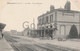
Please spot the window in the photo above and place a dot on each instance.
(47, 19)
(39, 21)
(51, 18)
(43, 20)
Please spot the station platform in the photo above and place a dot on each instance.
(4, 45)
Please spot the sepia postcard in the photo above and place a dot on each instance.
(39, 25)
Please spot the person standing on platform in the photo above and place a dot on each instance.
(2, 35)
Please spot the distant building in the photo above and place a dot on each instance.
(20, 33)
(58, 22)
(6, 32)
(13, 32)
(26, 32)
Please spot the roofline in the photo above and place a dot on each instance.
(56, 10)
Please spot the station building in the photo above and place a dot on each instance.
(58, 22)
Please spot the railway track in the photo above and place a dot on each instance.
(34, 47)
(24, 47)
(29, 47)
(57, 48)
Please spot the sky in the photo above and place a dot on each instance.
(15, 12)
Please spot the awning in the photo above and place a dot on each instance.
(2, 26)
(47, 29)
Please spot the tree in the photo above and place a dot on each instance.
(73, 32)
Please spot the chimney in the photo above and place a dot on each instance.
(67, 6)
(51, 8)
